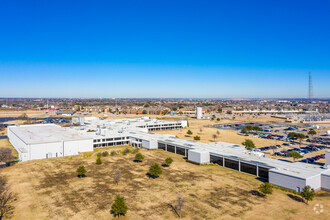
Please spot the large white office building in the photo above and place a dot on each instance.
(45, 141)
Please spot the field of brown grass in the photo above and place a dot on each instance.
(50, 189)
(230, 136)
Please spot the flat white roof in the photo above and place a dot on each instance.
(45, 133)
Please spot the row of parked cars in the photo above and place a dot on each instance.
(313, 159)
(302, 150)
(319, 140)
(56, 120)
(268, 148)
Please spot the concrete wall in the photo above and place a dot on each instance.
(314, 182)
(76, 147)
(45, 150)
(18, 144)
(286, 181)
(327, 157)
(325, 181)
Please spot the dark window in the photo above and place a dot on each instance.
(117, 139)
(215, 159)
(231, 164)
(180, 151)
(94, 141)
(249, 168)
(161, 146)
(263, 172)
(170, 148)
(103, 140)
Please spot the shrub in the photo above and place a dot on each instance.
(155, 170)
(266, 188)
(139, 157)
(81, 171)
(70, 158)
(98, 161)
(197, 138)
(189, 132)
(119, 206)
(126, 151)
(136, 150)
(168, 161)
(113, 153)
(105, 154)
(99, 154)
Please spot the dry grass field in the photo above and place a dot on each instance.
(230, 136)
(50, 189)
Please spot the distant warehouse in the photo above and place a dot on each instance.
(65, 112)
(46, 141)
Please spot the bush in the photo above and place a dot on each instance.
(98, 161)
(139, 157)
(197, 138)
(81, 171)
(113, 153)
(189, 132)
(266, 188)
(119, 206)
(126, 151)
(105, 154)
(99, 154)
(155, 170)
(136, 150)
(168, 161)
(70, 158)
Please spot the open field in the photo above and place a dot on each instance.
(230, 136)
(50, 189)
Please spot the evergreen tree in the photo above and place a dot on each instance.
(119, 206)
(308, 193)
(155, 170)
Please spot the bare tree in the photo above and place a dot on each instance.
(6, 204)
(179, 205)
(5, 155)
(201, 130)
(117, 176)
(7, 199)
(3, 183)
(218, 132)
(214, 136)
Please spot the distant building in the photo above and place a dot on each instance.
(65, 112)
(199, 112)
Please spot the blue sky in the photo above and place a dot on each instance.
(220, 49)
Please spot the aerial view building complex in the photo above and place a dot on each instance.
(46, 141)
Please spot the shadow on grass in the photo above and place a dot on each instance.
(137, 161)
(81, 176)
(151, 176)
(165, 165)
(296, 198)
(257, 193)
